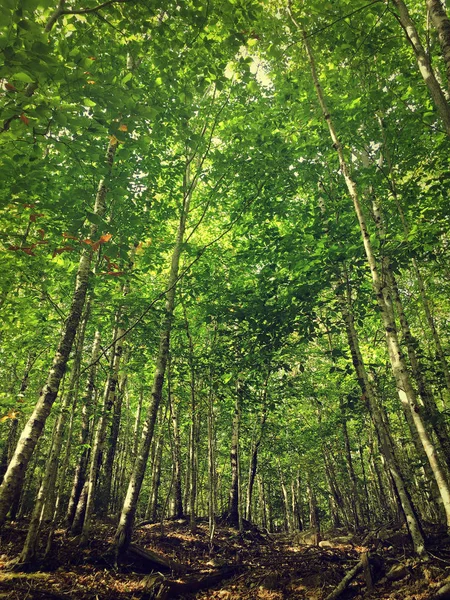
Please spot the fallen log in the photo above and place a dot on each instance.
(158, 587)
(155, 560)
(370, 565)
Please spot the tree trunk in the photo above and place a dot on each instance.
(86, 411)
(314, 522)
(423, 63)
(44, 505)
(125, 527)
(254, 454)
(176, 453)
(14, 476)
(98, 444)
(106, 482)
(405, 390)
(211, 467)
(233, 500)
(380, 426)
(420, 280)
(441, 22)
(262, 502)
(152, 508)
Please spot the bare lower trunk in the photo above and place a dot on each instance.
(253, 465)
(176, 452)
(44, 505)
(98, 444)
(152, 507)
(314, 521)
(11, 440)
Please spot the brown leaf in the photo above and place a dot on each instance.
(61, 250)
(25, 119)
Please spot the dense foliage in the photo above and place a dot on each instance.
(229, 231)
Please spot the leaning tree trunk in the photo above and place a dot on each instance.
(384, 437)
(433, 417)
(424, 63)
(420, 281)
(44, 504)
(405, 389)
(14, 476)
(441, 22)
(125, 527)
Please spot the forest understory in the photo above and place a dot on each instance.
(224, 299)
(251, 564)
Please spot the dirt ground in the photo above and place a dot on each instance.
(261, 566)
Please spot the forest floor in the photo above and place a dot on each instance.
(251, 565)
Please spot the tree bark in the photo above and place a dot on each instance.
(441, 22)
(423, 63)
(176, 452)
(254, 454)
(98, 444)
